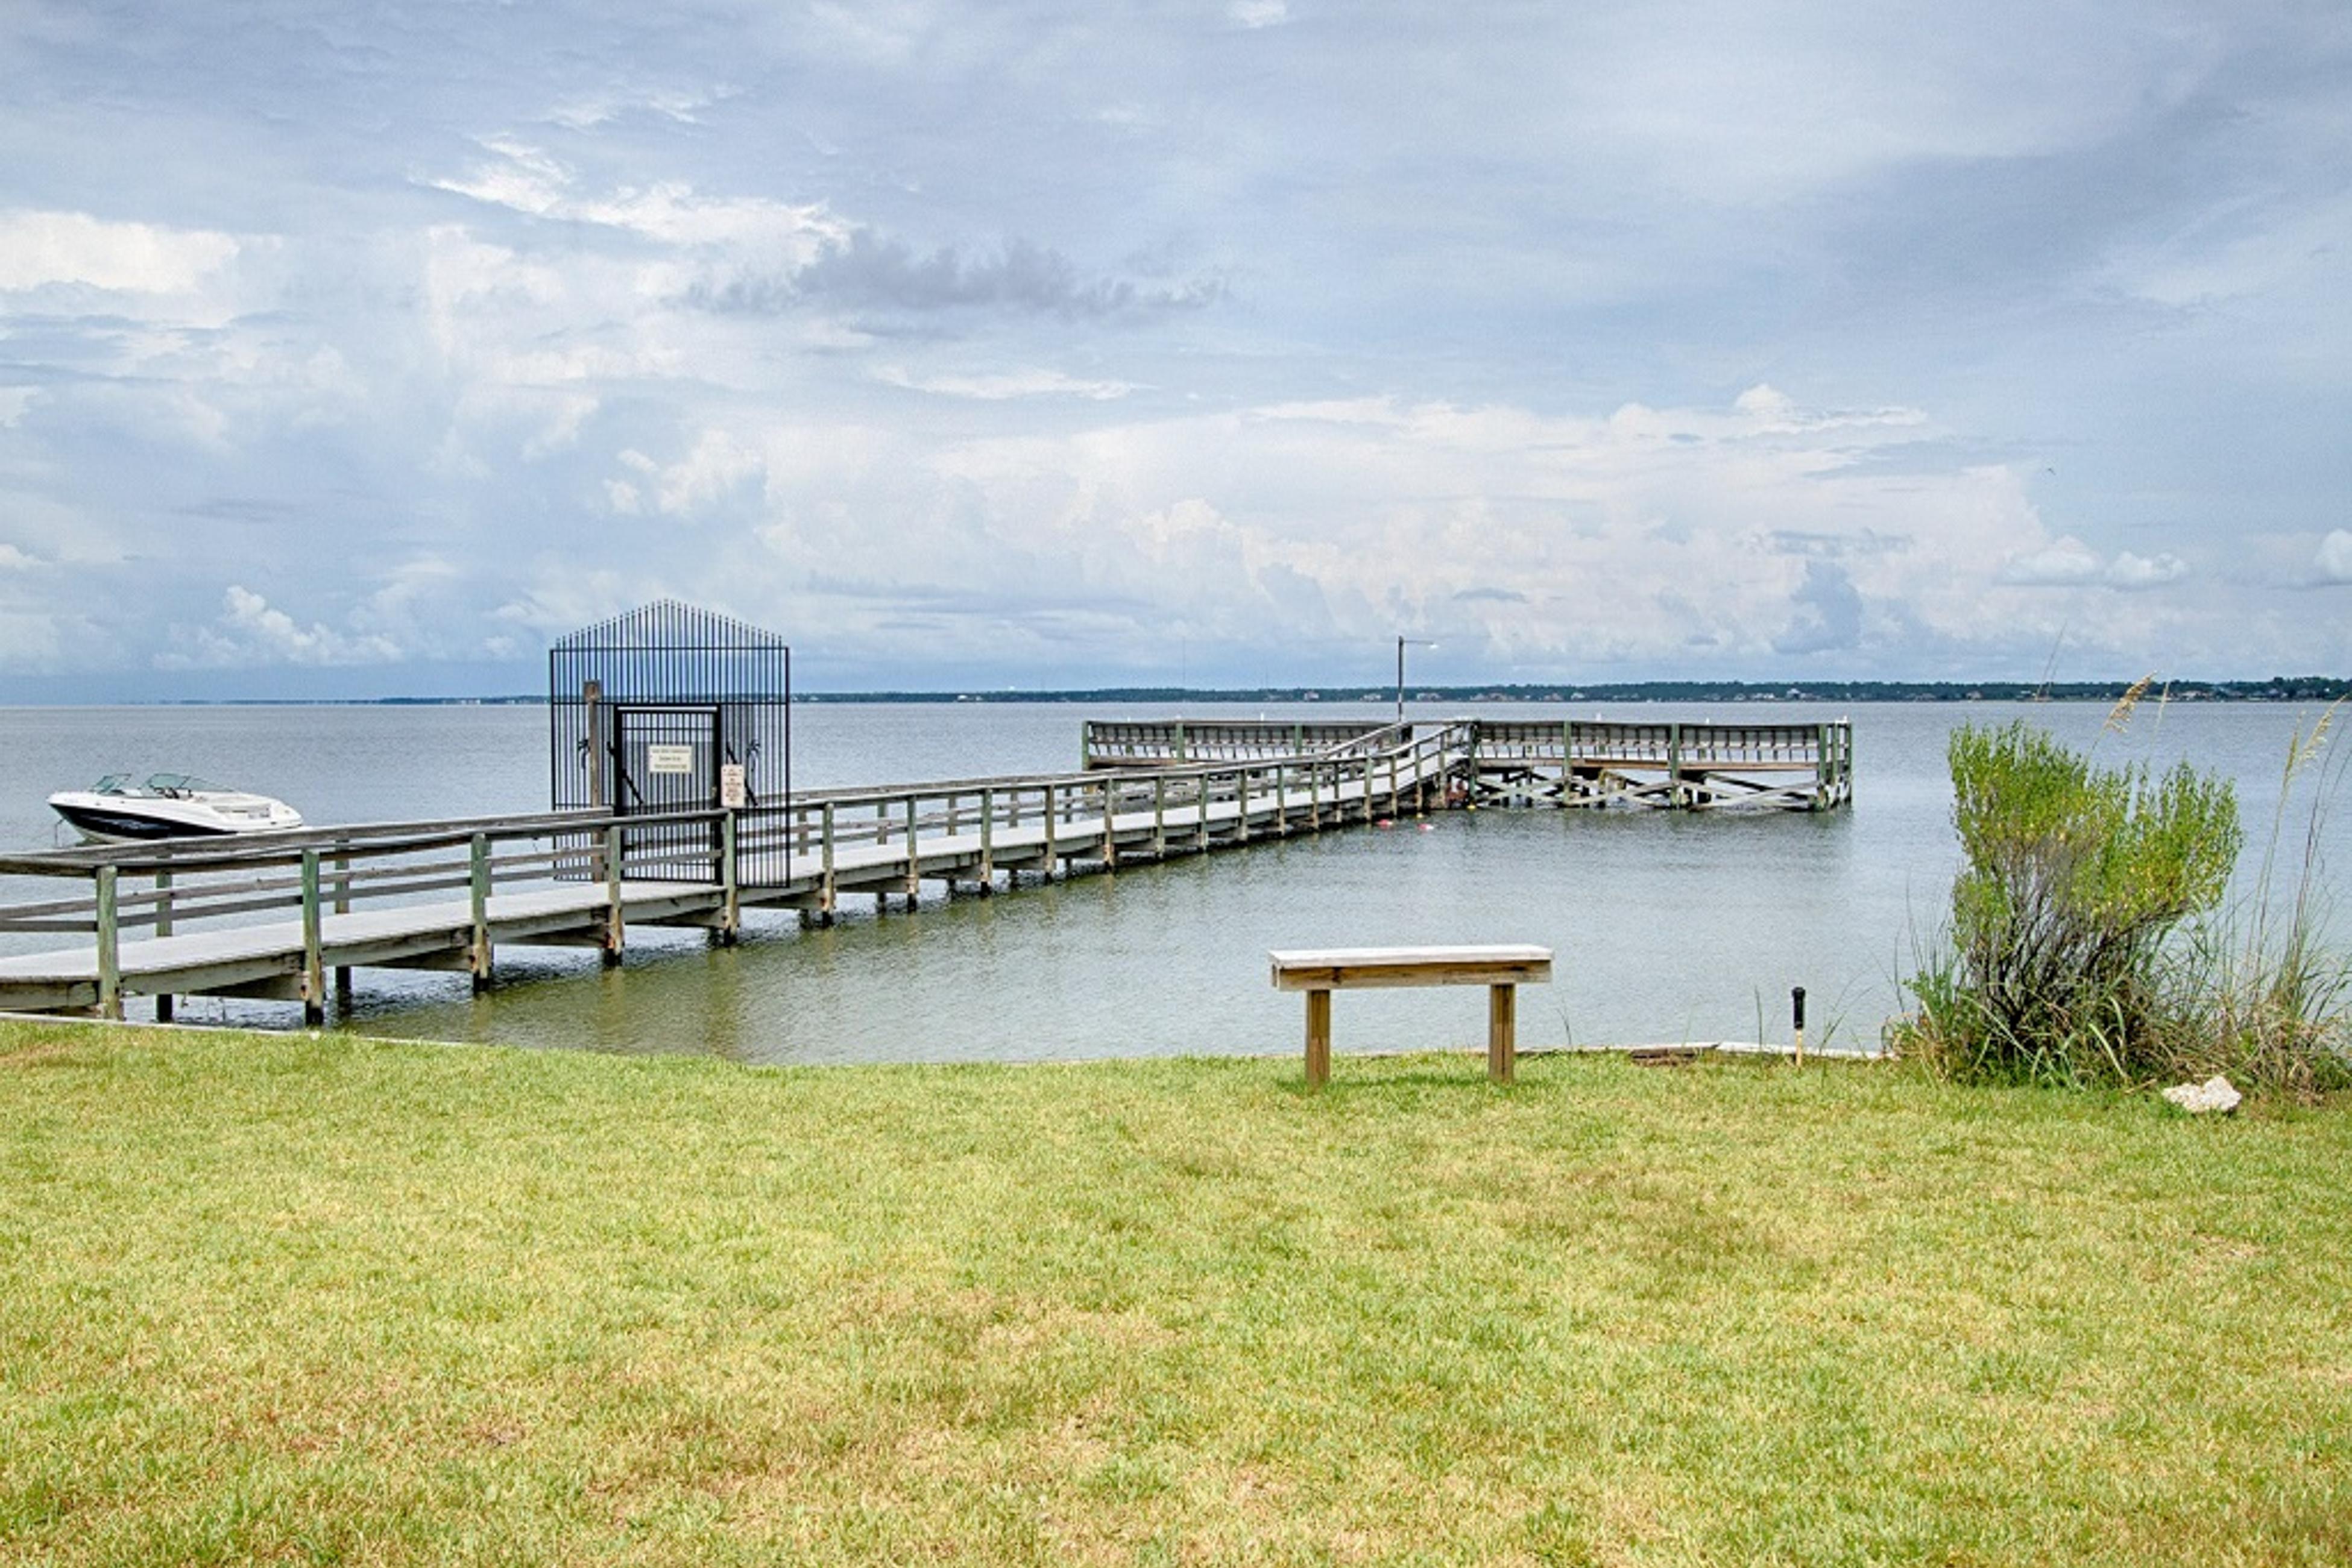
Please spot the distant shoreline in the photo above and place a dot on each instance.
(2277, 689)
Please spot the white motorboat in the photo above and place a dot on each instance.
(168, 806)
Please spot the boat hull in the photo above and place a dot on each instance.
(99, 826)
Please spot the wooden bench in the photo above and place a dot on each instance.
(1319, 972)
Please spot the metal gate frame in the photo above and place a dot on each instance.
(670, 656)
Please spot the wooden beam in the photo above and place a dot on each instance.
(1502, 1033)
(109, 947)
(1319, 1039)
(314, 969)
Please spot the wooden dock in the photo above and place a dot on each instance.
(446, 895)
(291, 916)
(1676, 765)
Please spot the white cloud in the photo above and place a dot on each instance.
(1746, 106)
(2231, 254)
(682, 104)
(2068, 562)
(1018, 384)
(910, 403)
(252, 632)
(563, 595)
(40, 248)
(2129, 570)
(718, 464)
(528, 180)
(2335, 558)
(1619, 537)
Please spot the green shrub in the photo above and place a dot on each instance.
(2073, 878)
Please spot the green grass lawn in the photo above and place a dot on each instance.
(291, 1300)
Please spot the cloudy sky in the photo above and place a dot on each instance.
(361, 349)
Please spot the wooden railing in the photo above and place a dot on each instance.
(163, 888)
(1124, 743)
(1666, 744)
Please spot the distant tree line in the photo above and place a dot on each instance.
(2277, 689)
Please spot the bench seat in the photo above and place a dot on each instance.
(1500, 968)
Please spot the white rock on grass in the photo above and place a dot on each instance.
(2215, 1094)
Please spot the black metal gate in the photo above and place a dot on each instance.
(647, 710)
(667, 760)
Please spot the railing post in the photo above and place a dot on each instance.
(1159, 816)
(1110, 822)
(1674, 765)
(1314, 796)
(1281, 798)
(314, 971)
(342, 907)
(1200, 812)
(825, 893)
(1241, 803)
(478, 886)
(1051, 848)
(617, 926)
(110, 947)
(988, 836)
(730, 883)
(914, 860)
(1180, 740)
(163, 929)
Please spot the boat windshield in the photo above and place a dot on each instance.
(111, 785)
(179, 784)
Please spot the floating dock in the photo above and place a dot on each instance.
(1537, 762)
(291, 916)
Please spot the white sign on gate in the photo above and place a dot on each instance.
(669, 759)
(733, 793)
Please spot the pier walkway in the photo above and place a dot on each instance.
(379, 896)
(291, 916)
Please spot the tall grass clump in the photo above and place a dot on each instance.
(2074, 877)
(2088, 942)
(2261, 995)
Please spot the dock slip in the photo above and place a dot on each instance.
(290, 915)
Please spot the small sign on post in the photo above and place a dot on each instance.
(668, 758)
(733, 793)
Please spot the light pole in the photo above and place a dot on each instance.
(1401, 643)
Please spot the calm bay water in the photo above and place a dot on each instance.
(1668, 926)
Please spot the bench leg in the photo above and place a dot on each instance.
(1501, 1033)
(1319, 1039)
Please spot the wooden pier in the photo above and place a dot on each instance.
(1678, 765)
(291, 916)
(1673, 764)
(178, 919)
